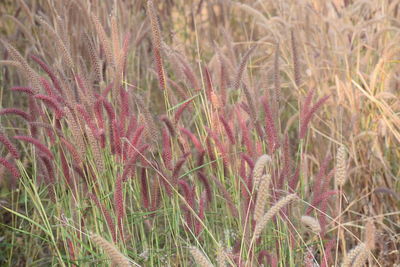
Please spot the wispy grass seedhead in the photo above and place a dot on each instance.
(262, 195)
(270, 127)
(241, 69)
(199, 258)
(27, 71)
(356, 255)
(262, 164)
(60, 45)
(341, 166)
(270, 213)
(156, 37)
(295, 57)
(119, 203)
(312, 223)
(49, 72)
(111, 250)
(104, 40)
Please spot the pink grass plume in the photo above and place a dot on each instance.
(42, 148)
(15, 111)
(10, 146)
(10, 167)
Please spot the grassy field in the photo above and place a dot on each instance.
(199, 133)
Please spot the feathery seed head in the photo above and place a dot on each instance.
(370, 232)
(261, 163)
(271, 213)
(111, 250)
(262, 196)
(199, 258)
(312, 223)
(353, 255)
(341, 162)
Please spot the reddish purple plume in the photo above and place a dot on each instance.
(109, 109)
(107, 90)
(187, 192)
(246, 140)
(198, 226)
(131, 126)
(208, 82)
(72, 150)
(327, 259)
(228, 129)
(46, 68)
(49, 178)
(53, 103)
(272, 135)
(206, 184)
(144, 189)
(10, 167)
(42, 148)
(194, 140)
(106, 214)
(168, 124)
(26, 90)
(307, 113)
(219, 145)
(15, 111)
(264, 256)
(10, 147)
(119, 203)
(166, 149)
(116, 136)
(124, 106)
(180, 110)
(178, 166)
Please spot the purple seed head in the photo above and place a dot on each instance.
(10, 146)
(42, 148)
(10, 167)
(15, 111)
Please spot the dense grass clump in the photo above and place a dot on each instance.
(199, 133)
